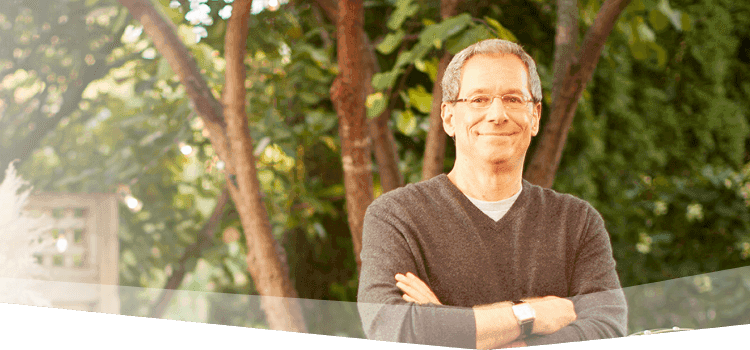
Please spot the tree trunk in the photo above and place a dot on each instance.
(546, 158)
(566, 39)
(384, 144)
(271, 276)
(348, 97)
(231, 141)
(434, 152)
(386, 152)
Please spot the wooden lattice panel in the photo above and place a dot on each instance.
(84, 262)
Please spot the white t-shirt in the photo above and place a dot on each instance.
(496, 210)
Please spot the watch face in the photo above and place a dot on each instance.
(523, 312)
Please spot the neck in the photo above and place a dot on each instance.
(486, 182)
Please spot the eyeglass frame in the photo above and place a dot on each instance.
(468, 99)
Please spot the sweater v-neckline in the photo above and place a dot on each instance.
(473, 211)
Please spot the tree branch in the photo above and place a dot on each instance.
(434, 152)
(162, 33)
(232, 144)
(72, 97)
(546, 158)
(194, 251)
(566, 39)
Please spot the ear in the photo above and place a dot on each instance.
(447, 114)
(536, 116)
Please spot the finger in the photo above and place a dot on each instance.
(416, 300)
(415, 282)
(410, 299)
(423, 287)
(421, 290)
(413, 292)
(411, 277)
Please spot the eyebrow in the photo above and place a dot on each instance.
(485, 91)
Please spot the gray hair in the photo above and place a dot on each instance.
(452, 76)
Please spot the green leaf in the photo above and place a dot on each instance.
(390, 42)
(640, 50)
(658, 20)
(469, 37)
(318, 55)
(420, 99)
(376, 104)
(185, 189)
(309, 98)
(320, 230)
(645, 33)
(637, 5)
(405, 98)
(686, 22)
(404, 10)
(436, 34)
(673, 15)
(661, 54)
(333, 191)
(406, 122)
(662, 237)
(384, 80)
(405, 58)
(205, 205)
(128, 258)
(431, 68)
(502, 32)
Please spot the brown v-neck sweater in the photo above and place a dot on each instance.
(546, 244)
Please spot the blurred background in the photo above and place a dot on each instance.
(126, 156)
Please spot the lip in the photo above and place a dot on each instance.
(497, 133)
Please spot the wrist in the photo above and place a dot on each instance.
(525, 316)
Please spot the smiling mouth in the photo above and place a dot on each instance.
(497, 133)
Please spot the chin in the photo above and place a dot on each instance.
(504, 160)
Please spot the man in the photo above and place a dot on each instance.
(480, 258)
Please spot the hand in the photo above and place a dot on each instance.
(515, 344)
(552, 313)
(415, 290)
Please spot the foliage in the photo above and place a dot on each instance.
(659, 147)
(659, 144)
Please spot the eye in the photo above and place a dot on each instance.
(480, 99)
(512, 99)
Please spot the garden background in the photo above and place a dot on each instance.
(244, 139)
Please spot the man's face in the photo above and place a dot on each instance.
(495, 135)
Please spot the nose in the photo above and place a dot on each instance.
(496, 112)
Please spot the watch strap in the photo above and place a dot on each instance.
(527, 325)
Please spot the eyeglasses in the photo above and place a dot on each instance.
(510, 101)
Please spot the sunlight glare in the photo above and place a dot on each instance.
(61, 244)
(186, 149)
(131, 202)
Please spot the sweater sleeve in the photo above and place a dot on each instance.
(385, 315)
(594, 289)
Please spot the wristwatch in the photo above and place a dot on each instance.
(525, 315)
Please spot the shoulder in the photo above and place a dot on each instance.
(422, 194)
(547, 199)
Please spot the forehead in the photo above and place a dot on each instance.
(494, 74)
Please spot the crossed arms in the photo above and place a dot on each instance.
(470, 316)
(495, 323)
